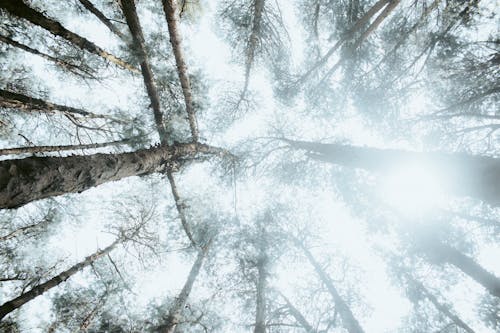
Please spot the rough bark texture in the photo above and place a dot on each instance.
(63, 64)
(19, 301)
(348, 320)
(170, 9)
(253, 42)
(461, 174)
(175, 312)
(91, 8)
(441, 307)
(42, 149)
(34, 178)
(298, 316)
(130, 13)
(468, 266)
(20, 9)
(9, 99)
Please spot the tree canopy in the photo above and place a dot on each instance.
(249, 166)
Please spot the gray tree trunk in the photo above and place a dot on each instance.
(34, 178)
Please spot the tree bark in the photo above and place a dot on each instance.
(460, 174)
(170, 9)
(91, 8)
(348, 320)
(43, 149)
(9, 99)
(20, 9)
(24, 298)
(130, 13)
(34, 178)
(175, 312)
(467, 265)
(440, 307)
(253, 41)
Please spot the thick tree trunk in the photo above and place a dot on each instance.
(34, 178)
(348, 320)
(299, 317)
(253, 41)
(19, 301)
(9, 99)
(440, 307)
(460, 174)
(467, 265)
(130, 13)
(44, 149)
(61, 63)
(20, 9)
(91, 8)
(175, 312)
(170, 9)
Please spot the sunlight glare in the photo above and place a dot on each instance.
(412, 188)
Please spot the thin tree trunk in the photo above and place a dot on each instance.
(130, 13)
(253, 41)
(460, 174)
(375, 24)
(262, 262)
(358, 25)
(170, 9)
(63, 64)
(175, 312)
(20, 9)
(298, 316)
(441, 307)
(348, 320)
(19, 301)
(180, 208)
(43, 149)
(91, 8)
(466, 264)
(34, 178)
(9, 99)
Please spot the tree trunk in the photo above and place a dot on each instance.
(260, 313)
(43, 149)
(34, 178)
(348, 320)
(130, 13)
(440, 307)
(467, 265)
(91, 8)
(253, 41)
(170, 9)
(175, 312)
(24, 298)
(349, 34)
(63, 64)
(9, 99)
(20, 9)
(298, 316)
(460, 174)
(387, 10)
